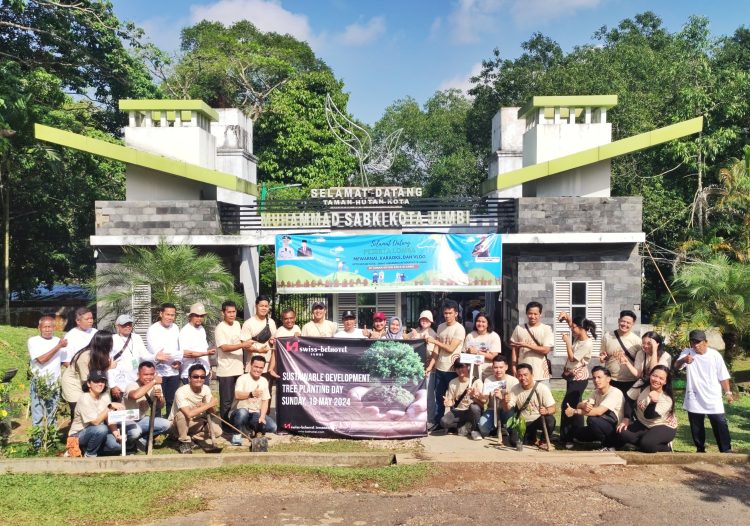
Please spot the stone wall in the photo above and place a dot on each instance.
(163, 218)
(541, 215)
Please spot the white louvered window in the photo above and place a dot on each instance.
(366, 304)
(141, 308)
(579, 298)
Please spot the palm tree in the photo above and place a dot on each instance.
(165, 274)
(712, 294)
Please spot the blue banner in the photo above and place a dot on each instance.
(388, 263)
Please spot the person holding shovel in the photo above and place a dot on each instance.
(533, 402)
(463, 402)
(140, 395)
(192, 403)
(252, 398)
(494, 391)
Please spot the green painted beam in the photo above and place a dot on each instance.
(567, 101)
(169, 105)
(147, 160)
(593, 155)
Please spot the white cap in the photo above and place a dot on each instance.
(426, 314)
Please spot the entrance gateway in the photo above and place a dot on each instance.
(191, 179)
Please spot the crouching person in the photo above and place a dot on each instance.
(140, 395)
(495, 388)
(89, 423)
(533, 402)
(603, 412)
(464, 404)
(189, 416)
(252, 399)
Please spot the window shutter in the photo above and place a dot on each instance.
(595, 310)
(140, 306)
(344, 302)
(562, 304)
(386, 302)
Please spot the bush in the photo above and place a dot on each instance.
(393, 360)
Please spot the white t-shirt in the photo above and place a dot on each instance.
(193, 338)
(39, 346)
(703, 392)
(356, 333)
(167, 339)
(77, 340)
(126, 370)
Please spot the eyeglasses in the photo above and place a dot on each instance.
(198, 377)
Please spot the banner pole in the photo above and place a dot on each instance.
(123, 437)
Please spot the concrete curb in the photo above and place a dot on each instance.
(140, 464)
(642, 459)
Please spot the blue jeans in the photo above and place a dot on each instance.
(245, 421)
(38, 407)
(98, 439)
(161, 427)
(442, 379)
(487, 420)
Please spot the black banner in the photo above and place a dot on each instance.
(332, 387)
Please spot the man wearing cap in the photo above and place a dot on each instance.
(288, 329)
(285, 252)
(378, 327)
(128, 350)
(319, 326)
(194, 344)
(349, 319)
(304, 251)
(707, 377)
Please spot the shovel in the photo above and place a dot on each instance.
(544, 424)
(257, 445)
(214, 448)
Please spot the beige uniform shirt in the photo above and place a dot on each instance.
(326, 329)
(186, 397)
(519, 395)
(456, 388)
(663, 405)
(421, 334)
(87, 409)
(251, 328)
(613, 400)
(247, 384)
(228, 363)
(141, 404)
(74, 376)
(537, 361)
(612, 347)
(447, 333)
(283, 332)
(582, 354)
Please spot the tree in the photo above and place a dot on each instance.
(713, 294)
(175, 274)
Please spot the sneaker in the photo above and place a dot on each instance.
(630, 447)
(141, 445)
(606, 449)
(236, 440)
(186, 448)
(476, 435)
(569, 445)
(464, 430)
(435, 427)
(671, 449)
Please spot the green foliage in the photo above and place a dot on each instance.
(176, 274)
(518, 423)
(389, 396)
(44, 436)
(393, 360)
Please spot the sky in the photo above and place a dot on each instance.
(386, 50)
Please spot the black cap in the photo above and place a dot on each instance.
(285, 237)
(348, 314)
(697, 336)
(318, 305)
(96, 375)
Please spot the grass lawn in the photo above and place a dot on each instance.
(13, 351)
(110, 498)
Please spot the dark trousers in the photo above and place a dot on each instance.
(442, 379)
(596, 429)
(648, 439)
(718, 425)
(623, 386)
(533, 429)
(573, 395)
(226, 397)
(455, 418)
(169, 386)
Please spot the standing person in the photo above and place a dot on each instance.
(163, 342)
(604, 411)
(252, 399)
(89, 423)
(139, 395)
(394, 330)
(655, 425)
(619, 352)
(446, 348)
(289, 327)
(44, 354)
(189, 415)
(379, 328)
(576, 371)
(319, 326)
(532, 342)
(707, 377)
(194, 343)
(260, 328)
(230, 357)
(525, 398)
(494, 389)
(464, 403)
(350, 330)
(128, 350)
(78, 338)
(483, 341)
(424, 332)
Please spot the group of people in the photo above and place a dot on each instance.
(631, 406)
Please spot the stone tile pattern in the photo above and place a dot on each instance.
(162, 218)
(579, 214)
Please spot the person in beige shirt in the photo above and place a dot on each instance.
(494, 388)
(534, 402)
(230, 356)
(289, 327)
(252, 400)
(463, 401)
(260, 328)
(483, 341)
(89, 423)
(424, 332)
(603, 411)
(446, 348)
(192, 404)
(319, 326)
(621, 362)
(532, 342)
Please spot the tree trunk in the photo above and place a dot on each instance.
(699, 207)
(5, 203)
